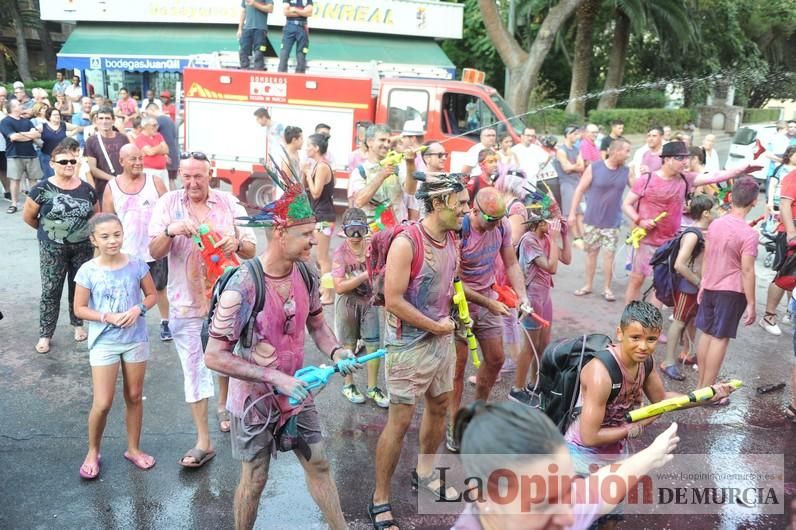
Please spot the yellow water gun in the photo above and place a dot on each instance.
(467, 322)
(638, 233)
(667, 405)
(393, 158)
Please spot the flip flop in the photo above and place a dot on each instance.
(11, 209)
(582, 292)
(673, 372)
(138, 462)
(790, 412)
(609, 296)
(91, 476)
(200, 457)
(223, 416)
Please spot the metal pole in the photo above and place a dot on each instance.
(512, 27)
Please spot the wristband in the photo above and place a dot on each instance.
(143, 309)
(102, 318)
(334, 350)
(166, 232)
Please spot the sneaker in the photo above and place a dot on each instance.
(787, 319)
(450, 441)
(165, 332)
(509, 366)
(378, 396)
(353, 395)
(521, 396)
(766, 324)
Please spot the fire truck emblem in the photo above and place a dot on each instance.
(267, 88)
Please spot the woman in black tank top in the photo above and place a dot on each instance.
(320, 189)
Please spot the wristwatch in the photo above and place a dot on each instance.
(143, 309)
(166, 232)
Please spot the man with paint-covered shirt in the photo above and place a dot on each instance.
(175, 221)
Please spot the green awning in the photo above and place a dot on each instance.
(167, 47)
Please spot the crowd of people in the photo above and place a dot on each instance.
(124, 239)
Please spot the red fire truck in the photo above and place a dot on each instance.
(220, 105)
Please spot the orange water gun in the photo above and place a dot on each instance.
(214, 258)
(507, 296)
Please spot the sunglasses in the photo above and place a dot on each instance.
(289, 307)
(680, 158)
(355, 230)
(441, 155)
(196, 155)
(65, 162)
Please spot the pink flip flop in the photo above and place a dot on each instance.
(138, 462)
(90, 476)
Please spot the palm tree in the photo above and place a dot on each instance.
(17, 18)
(667, 20)
(584, 48)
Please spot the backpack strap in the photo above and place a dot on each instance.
(255, 268)
(465, 231)
(415, 233)
(614, 371)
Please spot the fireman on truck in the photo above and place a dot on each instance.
(296, 32)
(372, 185)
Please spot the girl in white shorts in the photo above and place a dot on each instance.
(108, 295)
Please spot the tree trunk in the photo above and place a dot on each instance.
(524, 66)
(47, 48)
(23, 64)
(616, 64)
(584, 49)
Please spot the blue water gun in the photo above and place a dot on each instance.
(316, 376)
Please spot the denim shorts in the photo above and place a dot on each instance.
(109, 354)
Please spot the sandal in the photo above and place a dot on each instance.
(673, 372)
(12, 209)
(43, 347)
(441, 492)
(582, 292)
(80, 334)
(223, 416)
(200, 457)
(790, 412)
(88, 475)
(140, 461)
(687, 359)
(609, 296)
(377, 509)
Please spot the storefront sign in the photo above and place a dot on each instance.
(397, 17)
(130, 64)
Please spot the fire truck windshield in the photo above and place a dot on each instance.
(516, 123)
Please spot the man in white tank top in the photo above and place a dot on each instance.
(132, 196)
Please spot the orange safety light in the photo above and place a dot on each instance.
(471, 75)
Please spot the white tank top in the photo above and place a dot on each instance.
(135, 211)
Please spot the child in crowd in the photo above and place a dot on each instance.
(541, 248)
(688, 267)
(355, 316)
(108, 297)
(727, 289)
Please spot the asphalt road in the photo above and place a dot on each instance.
(46, 398)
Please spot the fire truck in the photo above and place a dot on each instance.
(220, 105)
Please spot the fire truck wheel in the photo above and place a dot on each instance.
(260, 190)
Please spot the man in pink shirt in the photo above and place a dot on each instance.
(589, 151)
(175, 221)
(727, 289)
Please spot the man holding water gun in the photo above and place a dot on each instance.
(175, 220)
(485, 235)
(664, 190)
(271, 408)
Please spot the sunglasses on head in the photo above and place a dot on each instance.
(196, 155)
(66, 161)
(355, 230)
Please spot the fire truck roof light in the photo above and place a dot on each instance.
(225, 79)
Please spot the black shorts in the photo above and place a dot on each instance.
(159, 269)
(720, 313)
(3, 163)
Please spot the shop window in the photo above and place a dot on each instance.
(404, 105)
(467, 114)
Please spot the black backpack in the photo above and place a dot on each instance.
(664, 277)
(257, 272)
(559, 375)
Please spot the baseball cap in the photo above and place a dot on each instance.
(19, 84)
(165, 94)
(674, 149)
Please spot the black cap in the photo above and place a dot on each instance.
(675, 149)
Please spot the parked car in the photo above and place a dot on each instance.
(745, 146)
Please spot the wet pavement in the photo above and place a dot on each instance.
(46, 398)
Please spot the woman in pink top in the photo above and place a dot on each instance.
(532, 436)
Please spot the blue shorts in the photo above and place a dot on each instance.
(720, 312)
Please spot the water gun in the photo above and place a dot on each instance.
(507, 296)
(467, 322)
(638, 233)
(675, 403)
(754, 222)
(215, 260)
(393, 158)
(317, 376)
(383, 218)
